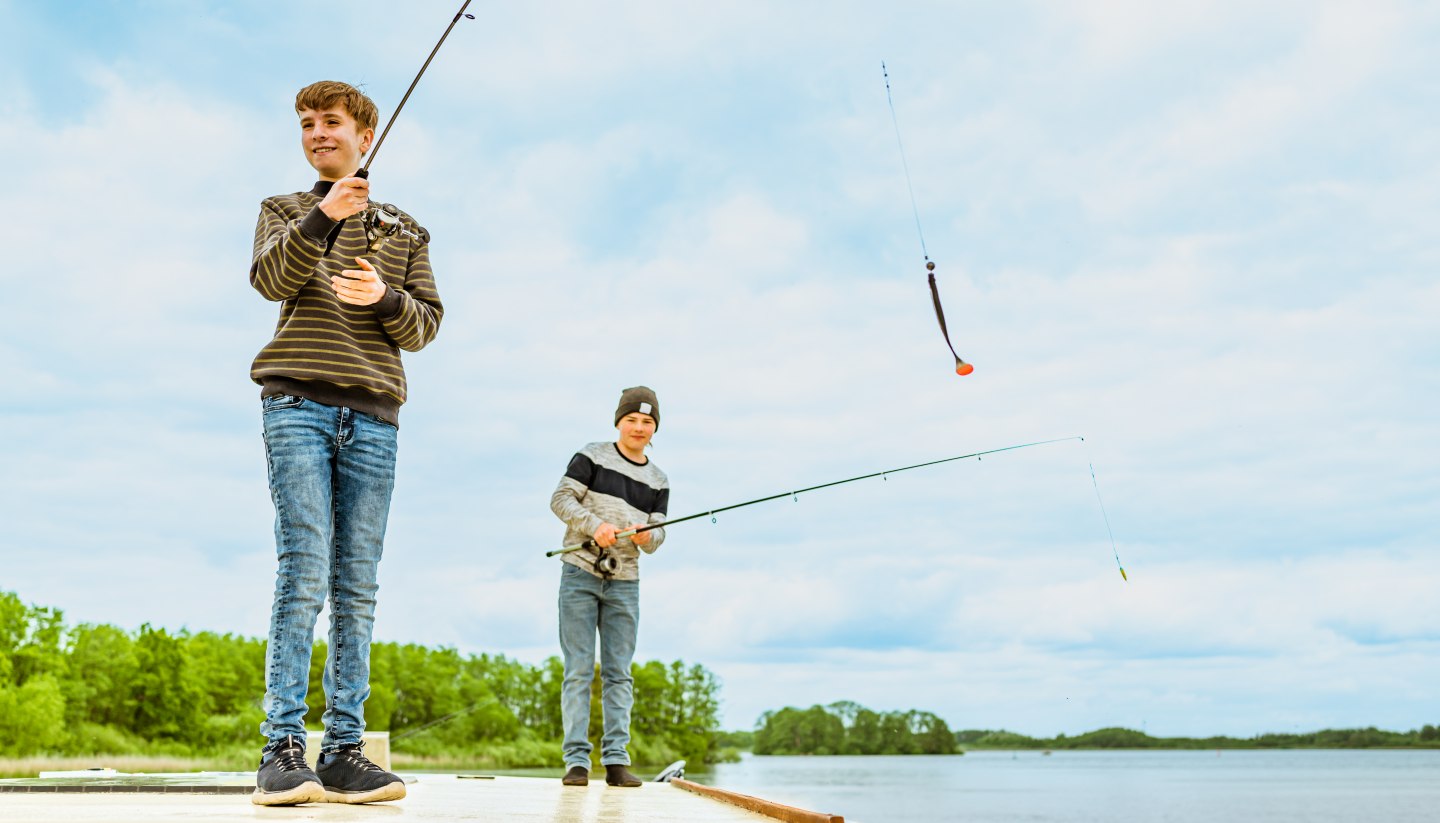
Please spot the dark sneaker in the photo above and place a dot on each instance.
(577, 776)
(350, 777)
(285, 778)
(617, 775)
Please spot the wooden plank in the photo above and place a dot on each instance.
(769, 808)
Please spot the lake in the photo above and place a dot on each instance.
(1286, 786)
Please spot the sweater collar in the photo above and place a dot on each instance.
(322, 187)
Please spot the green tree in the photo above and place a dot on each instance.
(895, 734)
(229, 671)
(792, 731)
(14, 625)
(30, 638)
(106, 656)
(32, 717)
(164, 697)
(931, 734)
(863, 736)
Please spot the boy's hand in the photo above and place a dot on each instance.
(640, 538)
(360, 287)
(605, 535)
(348, 196)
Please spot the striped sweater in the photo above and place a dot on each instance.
(325, 350)
(603, 486)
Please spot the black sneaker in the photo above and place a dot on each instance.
(576, 776)
(617, 775)
(285, 779)
(350, 777)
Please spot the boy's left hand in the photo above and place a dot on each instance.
(359, 287)
(640, 538)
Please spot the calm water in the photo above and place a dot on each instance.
(1101, 787)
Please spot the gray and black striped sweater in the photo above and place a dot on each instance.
(600, 486)
(325, 350)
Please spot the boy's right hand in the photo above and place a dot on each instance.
(605, 535)
(348, 196)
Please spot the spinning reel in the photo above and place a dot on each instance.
(382, 220)
(604, 563)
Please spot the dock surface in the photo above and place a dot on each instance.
(430, 798)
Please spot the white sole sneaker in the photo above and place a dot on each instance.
(307, 792)
(389, 791)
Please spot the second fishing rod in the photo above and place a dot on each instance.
(600, 564)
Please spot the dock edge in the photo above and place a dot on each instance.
(769, 808)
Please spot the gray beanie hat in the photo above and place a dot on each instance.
(638, 399)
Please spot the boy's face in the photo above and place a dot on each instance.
(636, 429)
(333, 142)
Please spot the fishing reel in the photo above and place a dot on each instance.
(605, 564)
(382, 221)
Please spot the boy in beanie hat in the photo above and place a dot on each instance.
(606, 484)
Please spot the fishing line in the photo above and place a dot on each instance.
(961, 367)
(904, 164)
(1101, 501)
(592, 545)
(439, 720)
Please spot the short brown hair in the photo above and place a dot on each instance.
(331, 93)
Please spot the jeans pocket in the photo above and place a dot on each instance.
(280, 401)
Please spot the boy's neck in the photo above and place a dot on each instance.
(630, 455)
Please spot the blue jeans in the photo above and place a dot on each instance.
(331, 473)
(588, 603)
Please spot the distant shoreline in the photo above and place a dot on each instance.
(845, 727)
(1425, 737)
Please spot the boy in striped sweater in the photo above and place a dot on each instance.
(331, 389)
(605, 485)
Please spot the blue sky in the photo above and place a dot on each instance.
(1202, 237)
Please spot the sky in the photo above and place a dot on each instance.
(1201, 236)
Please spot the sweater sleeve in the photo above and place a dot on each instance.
(662, 506)
(411, 316)
(286, 251)
(566, 501)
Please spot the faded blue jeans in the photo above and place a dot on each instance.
(331, 474)
(587, 604)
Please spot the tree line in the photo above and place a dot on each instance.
(97, 689)
(1427, 736)
(849, 728)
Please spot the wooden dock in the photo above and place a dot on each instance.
(219, 797)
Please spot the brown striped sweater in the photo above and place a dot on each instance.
(325, 350)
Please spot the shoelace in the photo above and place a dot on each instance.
(356, 756)
(289, 756)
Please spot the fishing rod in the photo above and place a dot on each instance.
(961, 367)
(382, 220)
(600, 563)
